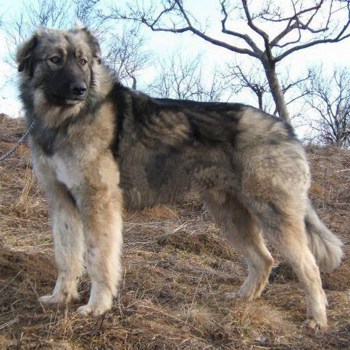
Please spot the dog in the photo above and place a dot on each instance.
(99, 146)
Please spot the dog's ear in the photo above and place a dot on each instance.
(95, 46)
(24, 55)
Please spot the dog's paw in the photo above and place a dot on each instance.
(94, 310)
(51, 299)
(85, 310)
(316, 326)
(59, 298)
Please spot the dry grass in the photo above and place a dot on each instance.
(176, 271)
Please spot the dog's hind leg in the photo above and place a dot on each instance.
(243, 231)
(285, 228)
(68, 242)
(293, 245)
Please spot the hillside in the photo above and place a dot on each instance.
(176, 271)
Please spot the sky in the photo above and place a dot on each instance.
(161, 44)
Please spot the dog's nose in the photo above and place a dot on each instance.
(78, 88)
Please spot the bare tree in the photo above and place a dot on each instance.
(329, 97)
(87, 12)
(299, 24)
(125, 53)
(183, 79)
(249, 80)
(46, 13)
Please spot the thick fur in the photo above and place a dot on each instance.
(97, 144)
(325, 246)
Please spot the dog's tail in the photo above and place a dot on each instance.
(325, 246)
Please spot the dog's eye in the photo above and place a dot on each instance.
(83, 61)
(55, 60)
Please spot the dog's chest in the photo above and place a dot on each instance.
(67, 171)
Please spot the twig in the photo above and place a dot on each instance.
(7, 284)
(340, 171)
(9, 323)
(36, 294)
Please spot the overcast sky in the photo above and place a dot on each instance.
(161, 44)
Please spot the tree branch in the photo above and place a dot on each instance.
(244, 37)
(155, 26)
(342, 35)
(310, 44)
(250, 22)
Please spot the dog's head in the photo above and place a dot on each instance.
(60, 64)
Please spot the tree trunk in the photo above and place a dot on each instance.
(260, 100)
(276, 91)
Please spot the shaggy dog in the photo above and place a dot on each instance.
(98, 145)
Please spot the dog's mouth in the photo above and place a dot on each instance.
(66, 100)
(73, 101)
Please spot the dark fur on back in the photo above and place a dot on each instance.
(177, 146)
(97, 144)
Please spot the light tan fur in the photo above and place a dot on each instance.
(89, 172)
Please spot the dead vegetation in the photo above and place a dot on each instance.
(177, 270)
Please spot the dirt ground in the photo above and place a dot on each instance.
(176, 271)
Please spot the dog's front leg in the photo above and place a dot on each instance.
(67, 230)
(69, 244)
(101, 209)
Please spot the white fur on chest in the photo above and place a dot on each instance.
(67, 171)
